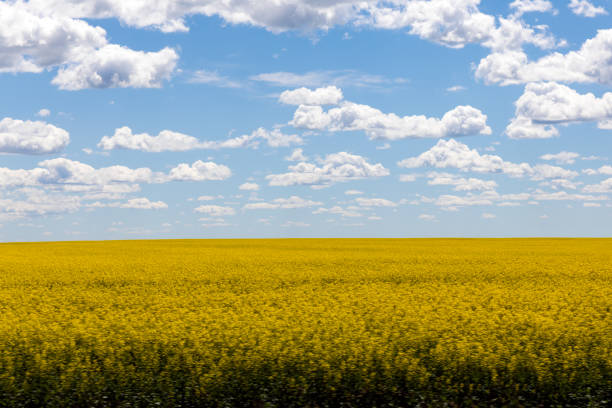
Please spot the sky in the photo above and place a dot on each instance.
(294, 118)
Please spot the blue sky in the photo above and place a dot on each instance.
(221, 119)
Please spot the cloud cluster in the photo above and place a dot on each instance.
(330, 95)
(545, 104)
(460, 183)
(452, 23)
(215, 210)
(521, 7)
(337, 167)
(32, 39)
(453, 154)
(31, 137)
(168, 140)
(586, 9)
(283, 203)
(349, 116)
(589, 64)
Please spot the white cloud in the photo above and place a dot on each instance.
(168, 140)
(31, 42)
(338, 210)
(144, 204)
(35, 37)
(455, 23)
(586, 9)
(561, 157)
(249, 186)
(589, 64)
(210, 198)
(297, 155)
(43, 113)
(591, 205)
(565, 196)
(215, 210)
(283, 203)
(453, 154)
(199, 171)
(486, 198)
(31, 137)
(488, 216)
(353, 192)
(456, 88)
(427, 217)
(213, 78)
(337, 167)
(349, 116)
(114, 66)
(521, 7)
(134, 203)
(603, 187)
(34, 202)
(375, 202)
(330, 95)
(460, 183)
(545, 104)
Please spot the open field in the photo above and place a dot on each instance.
(361, 322)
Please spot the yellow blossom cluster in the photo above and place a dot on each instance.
(336, 322)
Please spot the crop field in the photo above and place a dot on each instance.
(317, 323)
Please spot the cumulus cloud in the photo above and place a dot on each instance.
(114, 66)
(32, 39)
(589, 64)
(544, 104)
(375, 202)
(31, 137)
(452, 23)
(168, 140)
(603, 187)
(521, 7)
(453, 154)
(199, 171)
(349, 116)
(339, 211)
(297, 155)
(43, 113)
(561, 157)
(460, 183)
(215, 210)
(565, 196)
(586, 9)
(337, 167)
(134, 203)
(283, 203)
(30, 202)
(249, 186)
(63, 185)
(330, 95)
(455, 23)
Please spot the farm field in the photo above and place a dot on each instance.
(316, 322)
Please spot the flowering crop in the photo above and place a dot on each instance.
(360, 322)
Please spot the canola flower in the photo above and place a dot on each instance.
(336, 322)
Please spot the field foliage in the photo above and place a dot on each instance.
(316, 323)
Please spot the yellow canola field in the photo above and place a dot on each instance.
(321, 322)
